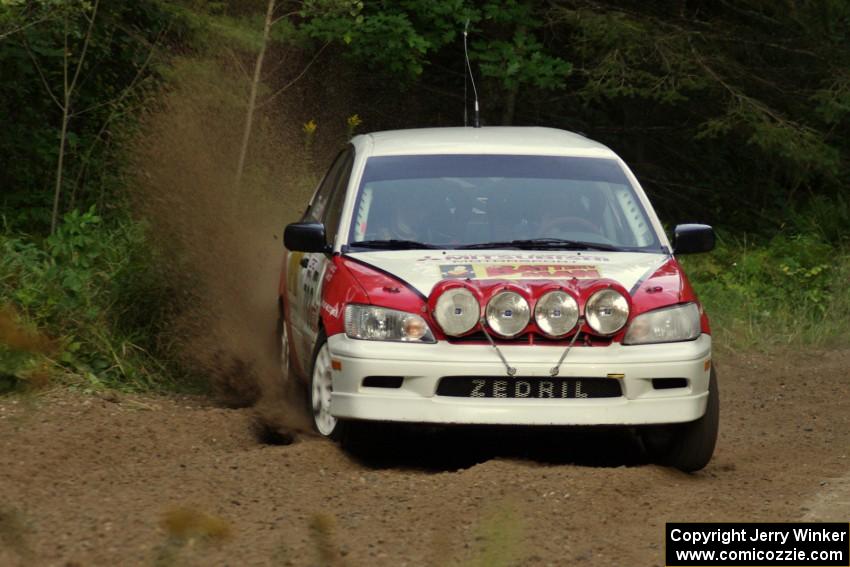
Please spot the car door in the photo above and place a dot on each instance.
(326, 207)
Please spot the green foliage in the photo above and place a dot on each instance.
(803, 149)
(629, 59)
(96, 288)
(716, 105)
(521, 61)
(117, 76)
(792, 289)
(401, 38)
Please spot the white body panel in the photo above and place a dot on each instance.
(423, 365)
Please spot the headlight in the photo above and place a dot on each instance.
(671, 324)
(381, 324)
(508, 313)
(556, 313)
(606, 311)
(457, 311)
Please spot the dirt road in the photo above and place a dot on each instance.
(134, 480)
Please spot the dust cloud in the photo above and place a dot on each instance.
(222, 246)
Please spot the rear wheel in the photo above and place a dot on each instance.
(284, 353)
(686, 446)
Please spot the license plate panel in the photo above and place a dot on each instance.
(535, 387)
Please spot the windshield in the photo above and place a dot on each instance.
(498, 201)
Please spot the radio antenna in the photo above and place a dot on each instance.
(477, 122)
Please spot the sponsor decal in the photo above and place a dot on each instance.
(523, 271)
(292, 271)
(457, 271)
(523, 257)
(332, 310)
(329, 272)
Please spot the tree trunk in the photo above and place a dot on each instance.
(509, 105)
(67, 93)
(252, 101)
(57, 190)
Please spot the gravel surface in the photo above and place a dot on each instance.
(141, 480)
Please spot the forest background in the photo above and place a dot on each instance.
(152, 151)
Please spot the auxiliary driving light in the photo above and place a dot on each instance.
(606, 311)
(556, 313)
(508, 313)
(457, 311)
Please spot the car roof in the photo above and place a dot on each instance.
(520, 140)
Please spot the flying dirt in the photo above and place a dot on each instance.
(222, 246)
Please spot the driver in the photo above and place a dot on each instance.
(580, 212)
(403, 221)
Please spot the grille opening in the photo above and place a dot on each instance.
(383, 381)
(583, 339)
(669, 383)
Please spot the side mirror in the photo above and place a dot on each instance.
(305, 237)
(693, 238)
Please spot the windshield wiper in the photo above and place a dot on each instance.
(542, 244)
(391, 244)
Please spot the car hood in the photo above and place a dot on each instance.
(423, 269)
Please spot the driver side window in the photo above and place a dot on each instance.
(333, 209)
(320, 200)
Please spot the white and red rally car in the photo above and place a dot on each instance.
(513, 276)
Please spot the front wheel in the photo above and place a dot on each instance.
(356, 437)
(686, 446)
(321, 387)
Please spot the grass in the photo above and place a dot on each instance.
(186, 526)
(500, 538)
(789, 291)
(14, 532)
(323, 535)
(83, 306)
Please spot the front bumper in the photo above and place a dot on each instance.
(423, 365)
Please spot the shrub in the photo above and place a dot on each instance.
(791, 289)
(96, 288)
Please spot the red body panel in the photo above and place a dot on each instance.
(667, 286)
(349, 281)
(342, 284)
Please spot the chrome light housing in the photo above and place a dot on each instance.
(508, 313)
(372, 323)
(606, 311)
(556, 313)
(457, 311)
(667, 325)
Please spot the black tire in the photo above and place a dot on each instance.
(291, 385)
(285, 370)
(365, 440)
(686, 446)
